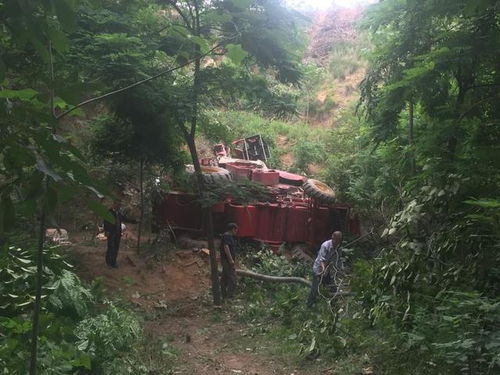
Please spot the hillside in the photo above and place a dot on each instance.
(335, 47)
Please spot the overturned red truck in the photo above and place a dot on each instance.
(302, 211)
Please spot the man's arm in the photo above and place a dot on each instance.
(322, 257)
(108, 226)
(228, 255)
(336, 255)
(127, 219)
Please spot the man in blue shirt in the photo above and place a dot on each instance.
(325, 266)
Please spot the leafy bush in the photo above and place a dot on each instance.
(17, 277)
(69, 297)
(460, 333)
(78, 334)
(307, 153)
(110, 339)
(64, 301)
(433, 291)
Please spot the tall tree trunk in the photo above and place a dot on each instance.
(38, 295)
(141, 188)
(209, 225)
(410, 135)
(190, 137)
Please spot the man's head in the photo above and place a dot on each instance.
(116, 203)
(232, 228)
(337, 237)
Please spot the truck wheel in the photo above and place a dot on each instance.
(319, 191)
(211, 174)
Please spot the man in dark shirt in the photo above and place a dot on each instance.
(228, 258)
(114, 233)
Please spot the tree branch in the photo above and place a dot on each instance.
(282, 279)
(197, 66)
(474, 105)
(277, 279)
(52, 92)
(184, 131)
(190, 10)
(179, 11)
(97, 98)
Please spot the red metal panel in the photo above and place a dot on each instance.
(245, 217)
(322, 227)
(271, 223)
(219, 208)
(297, 224)
(181, 210)
(269, 177)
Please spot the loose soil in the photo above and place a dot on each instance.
(173, 296)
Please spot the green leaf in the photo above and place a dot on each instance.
(101, 210)
(393, 280)
(180, 29)
(24, 261)
(312, 346)
(236, 53)
(23, 304)
(60, 103)
(83, 359)
(203, 43)
(83, 345)
(59, 40)
(43, 167)
(24, 94)
(484, 203)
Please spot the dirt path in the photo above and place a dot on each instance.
(173, 297)
(209, 341)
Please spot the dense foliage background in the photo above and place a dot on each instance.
(418, 158)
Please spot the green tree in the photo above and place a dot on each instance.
(39, 168)
(236, 32)
(429, 99)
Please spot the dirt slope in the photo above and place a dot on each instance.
(147, 285)
(173, 295)
(330, 28)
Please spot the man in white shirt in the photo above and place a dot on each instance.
(325, 266)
